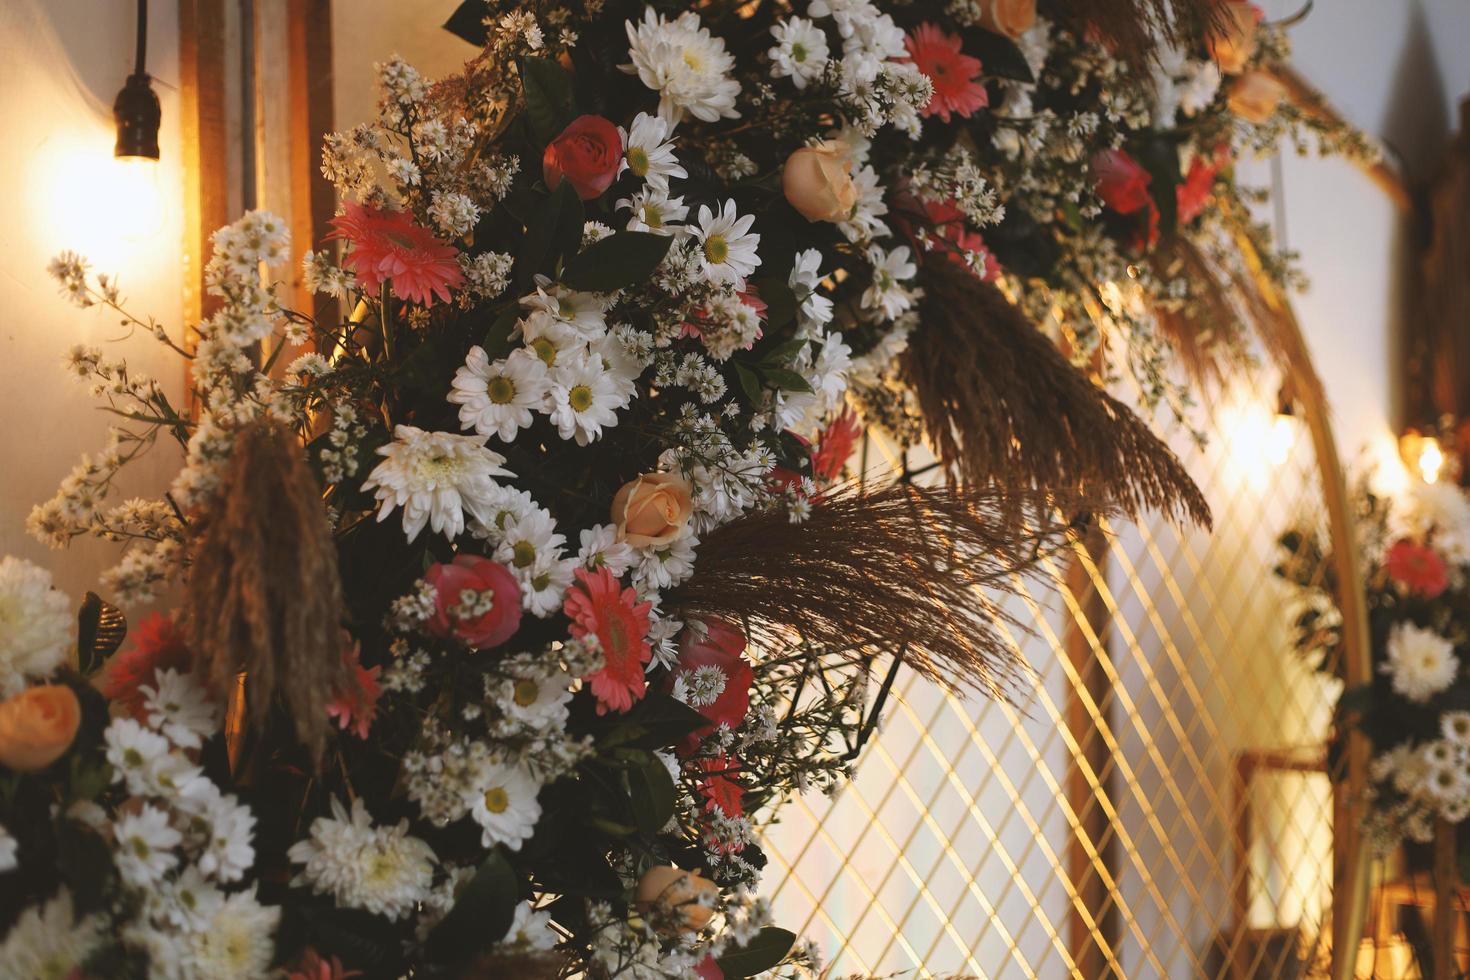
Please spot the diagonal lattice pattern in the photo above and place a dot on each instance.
(1157, 808)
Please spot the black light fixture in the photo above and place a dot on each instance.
(136, 110)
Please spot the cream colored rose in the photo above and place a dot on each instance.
(818, 181)
(1009, 17)
(1233, 40)
(653, 509)
(676, 901)
(1255, 95)
(37, 726)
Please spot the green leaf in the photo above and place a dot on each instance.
(779, 299)
(555, 229)
(786, 380)
(549, 101)
(497, 342)
(651, 789)
(749, 383)
(622, 259)
(783, 354)
(101, 628)
(482, 914)
(999, 56)
(1160, 157)
(468, 22)
(766, 950)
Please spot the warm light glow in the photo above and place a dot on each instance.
(1430, 460)
(90, 201)
(1281, 439)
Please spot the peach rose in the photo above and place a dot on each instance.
(818, 181)
(653, 509)
(1255, 95)
(37, 726)
(1233, 40)
(1009, 17)
(678, 901)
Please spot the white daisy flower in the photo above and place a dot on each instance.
(506, 504)
(584, 399)
(497, 397)
(549, 338)
(8, 848)
(1455, 726)
(536, 698)
(1420, 662)
(531, 929)
(527, 537)
(649, 152)
(865, 223)
(503, 802)
(585, 313)
(684, 64)
(814, 309)
(602, 549)
(145, 843)
(189, 901)
(383, 870)
(48, 941)
(35, 625)
(132, 751)
(666, 566)
(240, 942)
(727, 245)
(622, 367)
(544, 584)
(437, 478)
(180, 709)
(888, 293)
(654, 211)
(228, 852)
(800, 52)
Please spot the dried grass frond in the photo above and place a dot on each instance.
(1001, 404)
(264, 596)
(1134, 29)
(918, 573)
(515, 966)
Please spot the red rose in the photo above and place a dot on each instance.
(720, 649)
(1121, 182)
(708, 969)
(467, 623)
(1418, 568)
(587, 153)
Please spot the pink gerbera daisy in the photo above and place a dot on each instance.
(357, 706)
(955, 75)
(598, 604)
(387, 246)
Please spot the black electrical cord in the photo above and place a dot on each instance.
(140, 61)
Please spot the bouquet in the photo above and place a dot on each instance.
(519, 578)
(1415, 550)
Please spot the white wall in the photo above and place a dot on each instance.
(61, 64)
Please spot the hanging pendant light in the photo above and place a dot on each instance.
(136, 110)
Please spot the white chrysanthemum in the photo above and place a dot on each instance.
(584, 399)
(437, 478)
(654, 211)
(1455, 727)
(497, 397)
(1421, 663)
(800, 53)
(383, 870)
(47, 941)
(1440, 509)
(684, 64)
(240, 942)
(503, 802)
(649, 152)
(145, 843)
(584, 313)
(180, 709)
(727, 252)
(535, 698)
(602, 549)
(531, 929)
(888, 292)
(8, 848)
(35, 624)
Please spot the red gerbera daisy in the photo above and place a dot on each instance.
(1418, 568)
(158, 644)
(955, 75)
(835, 444)
(388, 246)
(719, 788)
(598, 604)
(355, 709)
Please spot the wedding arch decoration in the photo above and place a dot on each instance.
(512, 592)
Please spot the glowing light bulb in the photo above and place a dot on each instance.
(134, 201)
(1281, 439)
(1430, 460)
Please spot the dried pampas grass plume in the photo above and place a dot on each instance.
(1001, 404)
(898, 569)
(1135, 29)
(263, 596)
(515, 966)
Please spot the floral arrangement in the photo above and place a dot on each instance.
(523, 575)
(1415, 551)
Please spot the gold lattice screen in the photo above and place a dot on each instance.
(1156, 808)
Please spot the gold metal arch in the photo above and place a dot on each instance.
(1112, 827)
